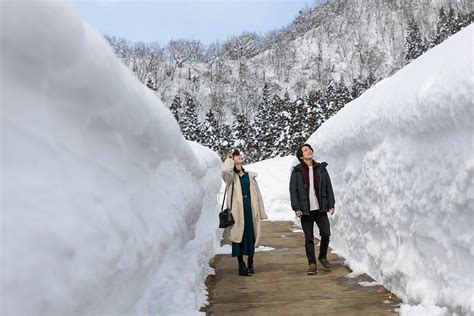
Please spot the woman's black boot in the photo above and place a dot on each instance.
(242, 267)
(250, 265)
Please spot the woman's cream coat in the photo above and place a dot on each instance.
(236, 231)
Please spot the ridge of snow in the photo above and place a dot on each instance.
(106, 208)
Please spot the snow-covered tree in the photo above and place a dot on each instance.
(370, 80)
(285, 123)
(357, 88)
(442, 30)
(449, 23)
(189, 120)
(297, 131)
(226, 140)
(342, 95)
(150, 84)
(241, 133)
(261, 130)
(330, 98)
(415, 45)
(176, 107)
(279, 121)
(210, 132)
(314, 113)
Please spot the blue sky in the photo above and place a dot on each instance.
(206, 21)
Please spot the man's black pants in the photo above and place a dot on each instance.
(321, 219)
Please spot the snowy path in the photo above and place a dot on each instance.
(281, 286)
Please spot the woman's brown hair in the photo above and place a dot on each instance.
(236, 152)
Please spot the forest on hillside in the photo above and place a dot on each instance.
(265, 94)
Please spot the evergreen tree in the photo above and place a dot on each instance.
(314, 118)
(265, 94)
(456, 21)
(357, 88)
(286, 98)
(324, 107)
(464, 19)
(226, 141)
(330, 96)
(241, 133)
(273, 130)
(452, 23)
(189, 121)
(263, 128)
(279, 122)
(370, 80)
(210, 132)
(297, 127)
(342, 95)
(414, 46)
(319, 111)
(176, 107)
(150, 84)
(442, 31)
(286, 118)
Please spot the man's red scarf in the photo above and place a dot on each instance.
(315, 180)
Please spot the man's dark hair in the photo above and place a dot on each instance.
(299, 152)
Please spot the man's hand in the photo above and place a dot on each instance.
(299, 214)
(332, 210)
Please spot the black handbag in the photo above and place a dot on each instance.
(225, 216)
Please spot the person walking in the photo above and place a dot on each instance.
(247, 209)
(312, 198)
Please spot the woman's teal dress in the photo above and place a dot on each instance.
(247, 246)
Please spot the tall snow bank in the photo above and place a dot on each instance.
(106, 209)
(402, 165)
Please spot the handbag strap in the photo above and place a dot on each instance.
(231, 195)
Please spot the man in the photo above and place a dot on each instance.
(312, 198)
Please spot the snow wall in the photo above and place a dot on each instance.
(106, 208)
(401, 158)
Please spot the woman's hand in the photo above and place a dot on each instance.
(332, 210)
(299, 214)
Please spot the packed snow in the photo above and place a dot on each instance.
(368, 284)
(402, 167)
(106, 208)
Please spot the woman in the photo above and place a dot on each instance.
(247, 210)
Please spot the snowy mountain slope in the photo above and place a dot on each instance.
(103, 200)
(338, 39)
(328, 56)
(401, 158)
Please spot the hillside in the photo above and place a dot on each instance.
(327, 57)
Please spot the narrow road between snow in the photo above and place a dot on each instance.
(280, 285)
